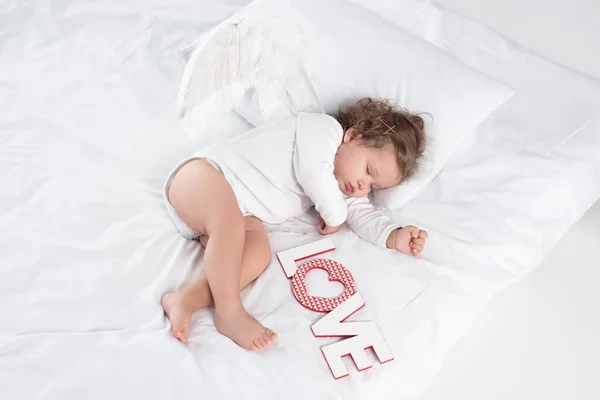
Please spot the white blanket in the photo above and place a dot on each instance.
(88, 133)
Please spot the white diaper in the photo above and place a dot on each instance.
(181, 226)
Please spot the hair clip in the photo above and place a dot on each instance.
(390, 128)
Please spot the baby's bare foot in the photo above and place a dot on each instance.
(243, 329)
(179, 315)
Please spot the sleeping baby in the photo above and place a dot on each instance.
(221, 196)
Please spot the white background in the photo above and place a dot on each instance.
(541, 338)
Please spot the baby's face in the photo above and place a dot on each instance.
(360, 169)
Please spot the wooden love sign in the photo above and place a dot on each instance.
(359, 336)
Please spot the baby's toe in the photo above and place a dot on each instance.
(267, 338)
(270, 336)
(176, 332)
(185, 334)
(264, 342)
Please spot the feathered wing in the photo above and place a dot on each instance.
(269, 55)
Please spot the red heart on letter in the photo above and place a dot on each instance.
(337, 272)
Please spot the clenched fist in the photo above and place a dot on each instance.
(408, 240)
(325, 229)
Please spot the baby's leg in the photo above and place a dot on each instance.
(204, 200)
(180, 305)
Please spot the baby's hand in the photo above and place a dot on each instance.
(409, 240)
(325, 229)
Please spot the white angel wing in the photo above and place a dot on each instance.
(260, 60)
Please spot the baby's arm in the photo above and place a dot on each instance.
(320, 186)
(317, 140)
(372, 225)
(369, 222)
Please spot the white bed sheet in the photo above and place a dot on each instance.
(88, 134)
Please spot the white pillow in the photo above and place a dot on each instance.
(528, 173)
(362, 54)
(358, 54)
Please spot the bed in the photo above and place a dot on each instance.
(88, 133)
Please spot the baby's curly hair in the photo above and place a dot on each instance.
(380, 123)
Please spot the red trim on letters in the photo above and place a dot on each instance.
(316, 254)
(341, 321)
(328, 366)
(345, 318)
(302, 258)
(281, 265)
(354, 362)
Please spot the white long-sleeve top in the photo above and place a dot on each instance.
(281, 169)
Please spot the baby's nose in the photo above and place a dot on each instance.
(363, 185)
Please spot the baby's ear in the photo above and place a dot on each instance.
(351, 134)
